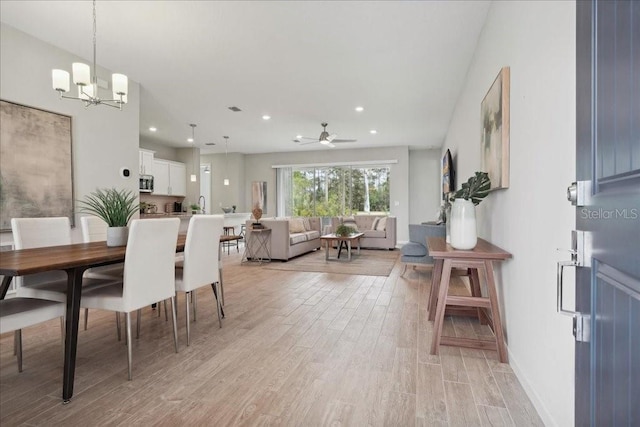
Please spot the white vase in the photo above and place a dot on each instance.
(464, 234)
(448, 224)
(117, 236)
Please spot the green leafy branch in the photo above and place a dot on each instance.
(475, 189)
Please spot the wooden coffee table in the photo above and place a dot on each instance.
(342, 241)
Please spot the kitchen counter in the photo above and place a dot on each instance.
(163, 215)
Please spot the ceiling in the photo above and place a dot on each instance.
(302, 63)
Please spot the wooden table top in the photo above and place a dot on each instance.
(37, 260)
(439, 249)
(333, 236)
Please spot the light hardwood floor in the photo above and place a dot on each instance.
(300, 349)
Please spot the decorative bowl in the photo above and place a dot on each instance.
(227, 210)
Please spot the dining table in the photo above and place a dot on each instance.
(74, 259)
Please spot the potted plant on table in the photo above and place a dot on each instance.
(464, 234)
(115, 207)
(195, 208)
(344, 230)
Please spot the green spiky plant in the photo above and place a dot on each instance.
(344, 230)
(475, 189)
(115, 207)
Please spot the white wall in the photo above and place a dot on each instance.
(425, 190)
(104, 139)
(258, 167)
(230, 166)
(532, 218)
(161, 151)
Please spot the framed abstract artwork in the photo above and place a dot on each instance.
(494, 115)
(36, 178)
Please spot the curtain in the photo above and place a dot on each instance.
(284, 191)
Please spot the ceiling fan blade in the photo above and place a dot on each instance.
(330, 145)
(298, 142)
(331, 137)
(343, 140)
(308, 137)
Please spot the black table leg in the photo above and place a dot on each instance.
(340, 248)
(74, 292)
(6, 281)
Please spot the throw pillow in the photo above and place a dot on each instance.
(307, 224)
(296, 225)
(375, 223)
(382, 223)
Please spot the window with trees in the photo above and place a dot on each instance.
(340, 190)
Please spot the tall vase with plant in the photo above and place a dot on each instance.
(115, 207)
(464, 234)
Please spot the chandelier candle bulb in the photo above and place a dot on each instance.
(81, 74)
(60, 80)
(120, 84)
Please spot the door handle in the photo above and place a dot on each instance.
(559, 287)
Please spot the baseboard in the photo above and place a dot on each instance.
(547, 419)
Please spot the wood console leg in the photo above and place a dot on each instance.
(495, 312)
(441, 306)
(435, 285)
(474, 279)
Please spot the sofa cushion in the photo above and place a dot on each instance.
(297, 238)
(375, 233)
(375, 223)
(382, 223)
(414, 249)
(313, 234)
(296, 225)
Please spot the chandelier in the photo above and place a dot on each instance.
(88, 84)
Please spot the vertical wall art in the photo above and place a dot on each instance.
(36, 178)
(494, 114)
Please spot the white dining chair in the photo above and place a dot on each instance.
(149, 270)
(200, 265)
(19, 313)
(44, 232)
(94, 229)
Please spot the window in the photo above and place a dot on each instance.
(340, 190)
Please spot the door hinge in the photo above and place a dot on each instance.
(582, 327)
(579, 193)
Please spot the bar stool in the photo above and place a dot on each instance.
(230, 231)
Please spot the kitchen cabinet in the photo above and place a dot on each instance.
(146, 162)
(169, 178)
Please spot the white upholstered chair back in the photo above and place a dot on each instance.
(40, 232)
(201, 252)
(94, 229)
(149, 266)
(37, 233)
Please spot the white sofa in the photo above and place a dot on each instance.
(285, 243)
(383, 237)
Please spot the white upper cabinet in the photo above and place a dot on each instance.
(146, 162)
(169, 178)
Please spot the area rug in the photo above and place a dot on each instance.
(368, 263)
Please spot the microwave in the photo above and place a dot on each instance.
(146, 183)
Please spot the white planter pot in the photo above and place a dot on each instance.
(464, 234)
(117, 236)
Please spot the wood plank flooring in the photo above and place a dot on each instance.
(296, 348)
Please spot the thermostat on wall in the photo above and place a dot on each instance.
(125, 173)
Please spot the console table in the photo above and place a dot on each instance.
(480, 258)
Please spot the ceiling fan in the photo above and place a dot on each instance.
(324, 139)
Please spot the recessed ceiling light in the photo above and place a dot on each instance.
(153, 129)
(266, 117)
(359, 109)
(189, 139)
(298, 136)
(373, 131)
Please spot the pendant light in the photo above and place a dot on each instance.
(194, 177)
(226, 160)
